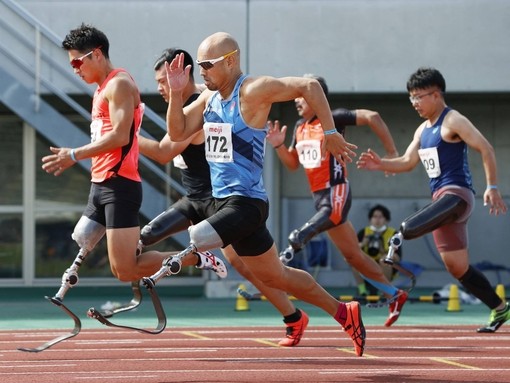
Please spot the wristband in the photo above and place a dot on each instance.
(492, 186)
(331, 131)
(276, 147)
(73, 157)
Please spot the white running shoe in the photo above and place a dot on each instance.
(208, 261)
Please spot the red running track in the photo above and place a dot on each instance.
(250, 354)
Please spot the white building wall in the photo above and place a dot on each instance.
(358, 45)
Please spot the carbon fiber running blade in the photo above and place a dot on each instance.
(134, 303)
(402, 270)
(160, 313)
(74, 332)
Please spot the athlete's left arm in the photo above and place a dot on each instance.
(374, 120)
(259, 93)
(458, 125)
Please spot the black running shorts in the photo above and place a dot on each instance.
(241, 222)
(115, 203)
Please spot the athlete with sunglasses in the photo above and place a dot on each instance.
(233, 112)
(116, 190)
(198, 203)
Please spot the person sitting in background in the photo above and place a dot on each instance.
(374, 241)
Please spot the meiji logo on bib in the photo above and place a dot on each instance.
(215, 129)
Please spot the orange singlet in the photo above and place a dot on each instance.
(121, 161)
(322, 172)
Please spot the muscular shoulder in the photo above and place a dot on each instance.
(454, 124)
(453, 117)
(121, 85)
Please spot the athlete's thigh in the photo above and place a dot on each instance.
(344, 237)
(122, 244)
(266, 266)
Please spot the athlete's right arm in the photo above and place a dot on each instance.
(163, 151)
(370, 160)
(182, 122)
(276, 137)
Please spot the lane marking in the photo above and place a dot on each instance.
(268, 342)
(195, 335)
(446, 361)
(354, 370)
(351, 351)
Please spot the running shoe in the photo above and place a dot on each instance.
(354, 327)
(208, 261)
(295, 331)
(396, 307)
(496, 319)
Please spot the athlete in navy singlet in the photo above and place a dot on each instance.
(440, 143)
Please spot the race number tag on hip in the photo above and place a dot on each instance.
(179, 162)
(430, 160)
(95, 130)
(309, 152)
(218, 142)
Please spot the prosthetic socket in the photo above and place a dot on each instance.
(163, 226)
(298, 238)
(87, 234)
(202, 237)
(446, 209)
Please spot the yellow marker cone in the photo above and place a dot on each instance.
(241, 302)
(453, 299)
(500, 290)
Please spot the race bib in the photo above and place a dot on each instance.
(95, 130)
(309, 152)
(218, 142)
(179, 162)
(430, 160)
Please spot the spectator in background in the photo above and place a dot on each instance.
(374, 241)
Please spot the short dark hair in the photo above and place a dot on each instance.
(321, 81)
(85, 38)
(425, 78)
(383, 209)
(169, 54)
